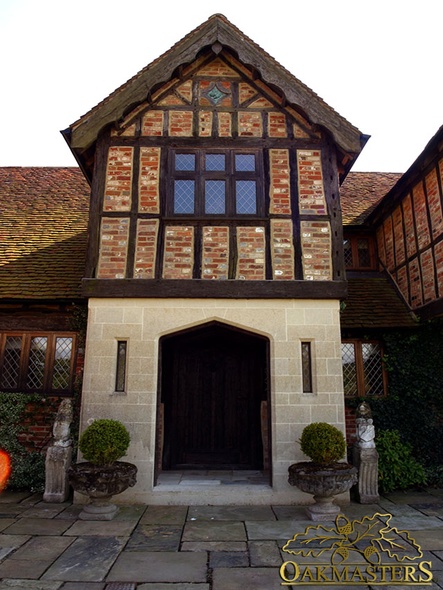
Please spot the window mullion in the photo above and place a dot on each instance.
(49, 363)
(360, 369)
(24, 361)
(200, 183)
(230, 185)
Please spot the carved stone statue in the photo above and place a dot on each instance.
(365, 456)
(59, 455)
(62, 425)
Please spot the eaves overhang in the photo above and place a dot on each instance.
(215, 32)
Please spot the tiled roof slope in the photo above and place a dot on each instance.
(362, 191)
(374, 303)
(43, 232)
(216, 30)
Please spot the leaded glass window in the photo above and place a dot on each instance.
(222, 183)
(37, 362)
(363, 374)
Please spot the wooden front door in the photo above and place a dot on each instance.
(213, 383)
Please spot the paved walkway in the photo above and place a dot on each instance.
(46, 547)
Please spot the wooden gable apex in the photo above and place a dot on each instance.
(216, 34)
(219, 74)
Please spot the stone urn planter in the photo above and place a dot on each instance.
(101, 477)
(324, 477)
(100, 483)
(323, 483)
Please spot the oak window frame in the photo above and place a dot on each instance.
(360, 388)
(200, 175)
(351, 245)
(24, 362)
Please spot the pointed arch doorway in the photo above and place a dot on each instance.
(214, 400)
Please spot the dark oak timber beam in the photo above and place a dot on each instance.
(201, 288)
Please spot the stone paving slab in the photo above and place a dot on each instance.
(429, 539)
(430, 509)
(132, 513)
(12, 510)
(6, 522)
(152, 537)
(37, 526)
(214, 546)
(88, 559)
(100, 528)
(83, 586)
(214, 531)
(264, 554)
(20, 584)
(246, 579)
(7, 497)
(13, 541)
(297, 513)
(164, 515)
(46, 548)
(70, 513)
(278, 530)
(417, 522)
(231, 513)
(43, 510)
(228, 559)
(172, 587)
(412, 497)
(146, 566)
(30, 569)
(4, 552)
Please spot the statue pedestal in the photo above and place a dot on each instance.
(58, 461)
(366, 461)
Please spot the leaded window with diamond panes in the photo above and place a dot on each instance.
(217, 183)
(11, 362)
(62, 363)
(363, 374)
(37, 362)
(359, 252)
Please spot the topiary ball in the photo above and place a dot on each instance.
(323, 443)
(104, 441)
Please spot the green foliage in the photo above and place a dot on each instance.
(398, 470)
(414, 404)
(434, 475)
(323, 443)
(104, 441)
(27, 467)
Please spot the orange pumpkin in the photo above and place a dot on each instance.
(5, 468)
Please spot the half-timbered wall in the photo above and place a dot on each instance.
(410, 239)
(277, 218)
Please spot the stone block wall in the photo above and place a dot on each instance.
(286, 323)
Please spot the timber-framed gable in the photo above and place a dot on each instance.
(272, 219)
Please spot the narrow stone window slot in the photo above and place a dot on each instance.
(306, 362)
(120, 376)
